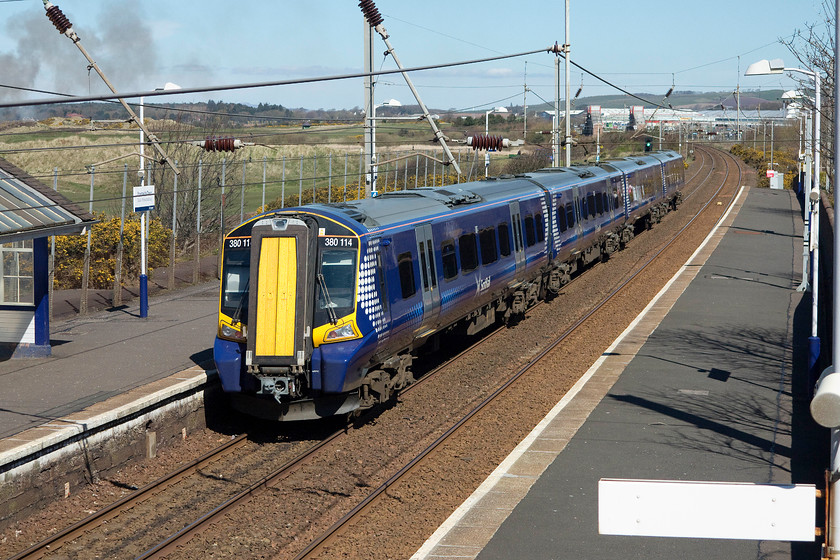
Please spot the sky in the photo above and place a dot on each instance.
(643, 46)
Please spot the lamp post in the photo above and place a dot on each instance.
(777, 66)
(144, 279)
(372, 171)
(487, 133)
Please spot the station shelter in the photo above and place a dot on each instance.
(30, 212)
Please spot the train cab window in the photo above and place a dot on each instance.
(235, 283)
(590, 205)
(605, 201)
(530, 238)
(570, 214)
(561, 218)
(599, 204)
(504, 239)
(405, 265)
(487, 242)
(540, 228)
(450, 263)
(336, 286)
(468, 252)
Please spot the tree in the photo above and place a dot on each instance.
(813, 47)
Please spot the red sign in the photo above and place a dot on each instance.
(771, 173)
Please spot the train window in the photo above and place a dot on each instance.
(335, 290)
(599, 204)
(487, 242)
(540, 228)
(405, 264)
(380, 272)
(590, 205)
(570, 214)
(450, 263)
(424, 274)
(504, 239)
(606, 201)
(431, 262)
(561, 218)
(530, 238)
(468, 251)
(235, 282)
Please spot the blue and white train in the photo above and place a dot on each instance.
(322, 306)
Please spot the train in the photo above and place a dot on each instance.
(324, 307)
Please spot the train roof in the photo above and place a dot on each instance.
(404, 206)
(397, 207)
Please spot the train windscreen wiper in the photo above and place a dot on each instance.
(243, 297)
(330, 305)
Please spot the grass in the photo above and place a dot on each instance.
(289, 157)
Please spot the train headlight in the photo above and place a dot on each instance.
(231, 333)
(344, 332)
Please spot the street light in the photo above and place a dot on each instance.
(373, 168)
(777, 66)
(144, 279)
(487, 133)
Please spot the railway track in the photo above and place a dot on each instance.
(320, 545)
(336, 516)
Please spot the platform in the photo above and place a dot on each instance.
(707, 384)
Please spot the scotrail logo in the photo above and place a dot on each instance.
(481, 284)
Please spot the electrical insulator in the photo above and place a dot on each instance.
(213, 144)
(485, 142)
(58, 19)
(372, 15)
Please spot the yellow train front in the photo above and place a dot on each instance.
(290, 344)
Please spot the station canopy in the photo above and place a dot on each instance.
(29, 209)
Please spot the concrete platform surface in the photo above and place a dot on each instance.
(708, 384)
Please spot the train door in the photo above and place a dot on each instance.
(280, 302)
(516, 228)
(428, 278)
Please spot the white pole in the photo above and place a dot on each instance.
(834, 514)
(815, 212)
(487, 133)
(525, 105)
(144, 279)
(369, 109)
(556, 128)
(567, 48)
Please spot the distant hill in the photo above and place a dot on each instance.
(246, 115)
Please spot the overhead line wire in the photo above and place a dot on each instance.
(254, 85)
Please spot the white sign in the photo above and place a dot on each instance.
(707, 510)
(144, 198)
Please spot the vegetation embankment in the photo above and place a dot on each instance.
(283, 165)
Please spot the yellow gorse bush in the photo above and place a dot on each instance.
(105, 237)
